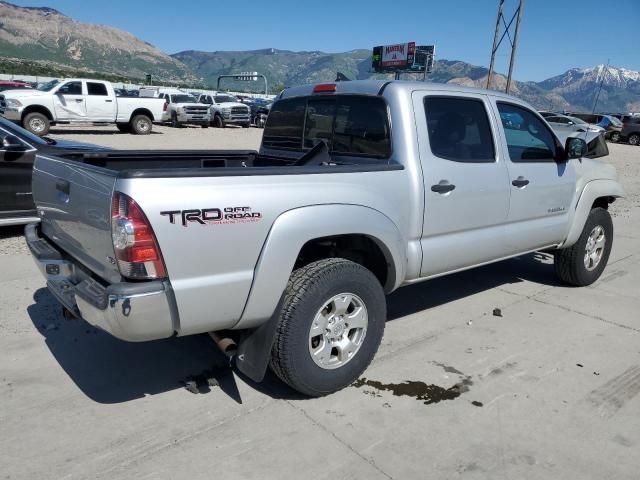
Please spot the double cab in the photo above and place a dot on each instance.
(359, 188)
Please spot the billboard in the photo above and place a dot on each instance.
(402, 57)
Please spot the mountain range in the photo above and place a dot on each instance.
(45, 40)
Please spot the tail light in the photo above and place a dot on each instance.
(134, 242)
(164, 107)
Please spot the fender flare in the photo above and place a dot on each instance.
(293, 228)
(288, 234)
(590, 193)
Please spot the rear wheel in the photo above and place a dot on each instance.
(331, 324)
(634, 139)
(582, 264)
(37, 123)
(141, 125)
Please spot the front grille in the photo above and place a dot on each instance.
(240, 110)
(196, 110)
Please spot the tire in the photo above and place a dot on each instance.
(218, 122)
(571, 263)
(328, 283)
(615, 137)
(37, 123)
(124, 127)
(174, 121)
(141, 125)
(634, 139)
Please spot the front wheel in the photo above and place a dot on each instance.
(582, 264)
(218, 122)
(37, 123)
(634, 139)
(331, 325)
(124, 127)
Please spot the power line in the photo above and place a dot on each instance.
(497, 42)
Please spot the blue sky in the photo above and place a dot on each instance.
(555, 34)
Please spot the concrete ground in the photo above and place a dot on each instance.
(548, 389)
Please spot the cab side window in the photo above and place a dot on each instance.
(71, 88)
(97, 89)
(459, 129)
(528, 138)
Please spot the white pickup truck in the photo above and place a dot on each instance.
(79, 100)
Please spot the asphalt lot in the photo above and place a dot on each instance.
(547, 390)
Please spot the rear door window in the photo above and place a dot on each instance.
(97, 89)
(459, 129)
(350, 125)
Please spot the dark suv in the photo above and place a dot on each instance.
(631, 130)
(612, 126)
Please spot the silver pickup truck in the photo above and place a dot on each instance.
(359, 188)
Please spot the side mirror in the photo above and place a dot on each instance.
(11, 143)
(575, 148)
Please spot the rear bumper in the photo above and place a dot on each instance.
(134, 312)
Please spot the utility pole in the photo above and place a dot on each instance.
(514, 43)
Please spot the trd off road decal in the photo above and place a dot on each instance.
(213, 216)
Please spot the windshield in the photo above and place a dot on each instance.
(14, 129)
(225, 99)
(47, 86)
(182, 99)
(615, 121)
(577, 120)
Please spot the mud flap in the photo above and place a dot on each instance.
(254, 350)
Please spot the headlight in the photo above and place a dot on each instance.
(12, 102)
(179, 109)
(226, 110)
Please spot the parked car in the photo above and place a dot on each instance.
(78, 101)
(630, 132)
(182, 108)
(294, 247)
(13, 85)
(226, 110)
(611, 125)
(18, 148)
(565, 126)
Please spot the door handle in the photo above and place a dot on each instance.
(79, 100)
(63, 186)
(109, 101)
(442, 187)
(520, 182)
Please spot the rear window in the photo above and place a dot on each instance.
(350, 125)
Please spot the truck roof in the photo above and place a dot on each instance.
(374, 87)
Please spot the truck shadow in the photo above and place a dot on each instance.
(109, 370)
(71, 131)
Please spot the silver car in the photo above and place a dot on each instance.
(567, 124)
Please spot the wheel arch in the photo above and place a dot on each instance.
(597, 193)
(302, 235)
(142, 111)
(37, 109)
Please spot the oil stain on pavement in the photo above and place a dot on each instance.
(422, 391)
